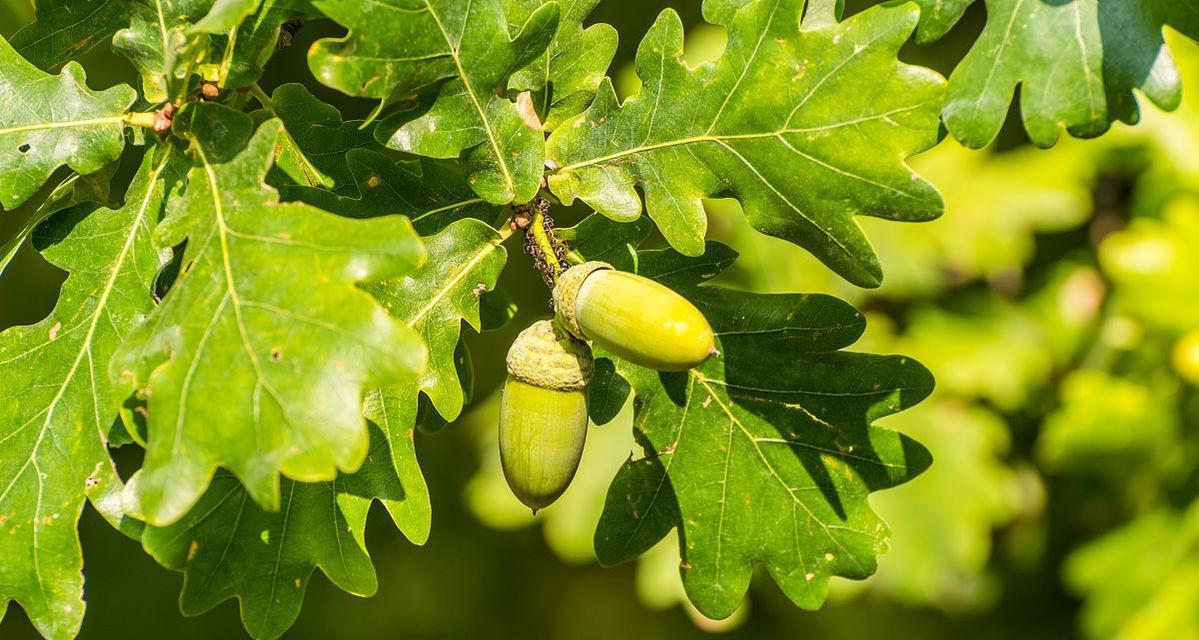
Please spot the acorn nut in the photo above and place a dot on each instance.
(543, 412)
(634, 317)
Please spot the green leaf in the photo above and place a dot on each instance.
(58, 402)
(937, 17)
(50, 121)
(465, 260)
(806, 127)
(1076, 62)
(65, 29)
(245, 58)
(1155, 269)
(314, 143)
(460, 52)
(225, 15)
(431, 194)
(74, 189)
(258, 357)
(1140, 580)
(563, 80)
(158, 42)
(1104, 418)
(767, 453)
(600, 238)
(228, 546)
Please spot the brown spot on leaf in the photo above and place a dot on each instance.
(528, 113)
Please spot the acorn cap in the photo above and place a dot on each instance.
(545, 355)
(566, 292)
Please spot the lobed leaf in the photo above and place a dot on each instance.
(157, 42)
(259, 356)
(57, 401)
(53, 120)
(460, 55)
(1076, 62)
(807, 127)
(563, 79)
(246, 52)
(64, 29)
(767, 453)
(314, 144)
(465, 260)
(228, 546)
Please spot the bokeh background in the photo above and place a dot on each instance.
(1057, 302)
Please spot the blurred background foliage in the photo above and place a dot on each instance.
(1057, 302)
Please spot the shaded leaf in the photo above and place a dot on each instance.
(258, 357)
(462, 53)
(228, 546)
(598, 237)
(806, 127)
(65, 29)
(57, 401)
(257, 39)
(564, 78)
(767, 453)
(74, 189)
(314, 143)
(431, 194)
(50, 121)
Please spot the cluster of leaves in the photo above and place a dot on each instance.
(278, 292)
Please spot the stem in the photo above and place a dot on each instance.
(543, 243)
(506, 230)
(261, 97)
(574, 257)
(144, 120)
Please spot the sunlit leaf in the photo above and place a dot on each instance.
(563, 80)
(465, 260)
(259, 356)
(1076, 62)
(57, 401)
(778, 121)
(50, 121)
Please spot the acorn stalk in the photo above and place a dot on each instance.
(635, 318)
(543, 412)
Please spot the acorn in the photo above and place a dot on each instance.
(637, 319)
(543, 412)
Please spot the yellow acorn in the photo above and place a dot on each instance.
(634, 317)
(543, 412)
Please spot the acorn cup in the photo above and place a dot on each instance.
(543, 412)
(637, 319)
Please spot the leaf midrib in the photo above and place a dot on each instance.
(779, 133)
(470, 92)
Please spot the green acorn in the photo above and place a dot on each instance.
(543, 412)
(634, 317)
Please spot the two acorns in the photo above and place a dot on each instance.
(543, 409)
